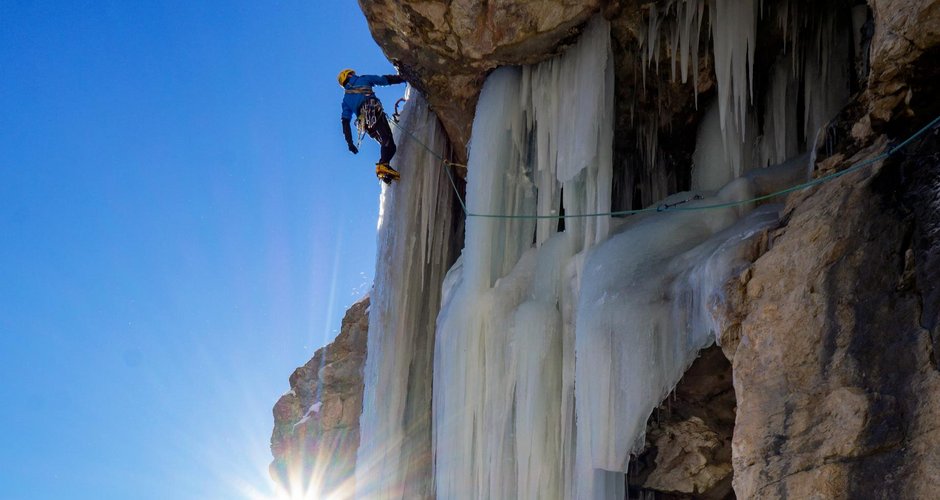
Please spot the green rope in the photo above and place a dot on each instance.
(444, 164)
(819, 180)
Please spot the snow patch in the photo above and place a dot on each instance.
(313, 410)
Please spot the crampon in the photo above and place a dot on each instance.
(386, 173)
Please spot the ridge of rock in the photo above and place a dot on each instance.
(316, 423)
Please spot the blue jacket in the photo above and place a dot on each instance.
(361, 87)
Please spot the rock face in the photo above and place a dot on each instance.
(316, 424)
(836, 371)
(686, 459)
(838, 393)
(905, 40)
(446, 48)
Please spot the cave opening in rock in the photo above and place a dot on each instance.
(688, 438)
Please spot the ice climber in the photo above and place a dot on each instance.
(359, 99)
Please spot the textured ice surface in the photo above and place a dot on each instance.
(643, 316)
(414, 240)
(814, 69)
(498, 378)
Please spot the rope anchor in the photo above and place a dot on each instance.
(667, 206)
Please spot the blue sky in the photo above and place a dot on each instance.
(180, 227)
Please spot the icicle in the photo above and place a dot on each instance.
(694, 42)
(780, 139)
(652, 35)
(733, 27)
(643, 40)
(827, 74)
(677, 29)
(685, 24)
(674, 53)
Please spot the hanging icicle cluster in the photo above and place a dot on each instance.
(813, 70)
(542, 142)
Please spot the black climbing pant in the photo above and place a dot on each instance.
(383, 135)
(377, 127)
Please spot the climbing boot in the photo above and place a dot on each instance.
(386, 173)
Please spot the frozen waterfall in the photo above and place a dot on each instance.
(542, 142)
(415, 248)
(554, 346)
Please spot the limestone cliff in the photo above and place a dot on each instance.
(838, 392)
(316, 424)
(826, 383)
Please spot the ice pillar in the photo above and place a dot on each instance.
(542, 142)
(415, 248)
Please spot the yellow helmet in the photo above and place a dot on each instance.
(343, 75)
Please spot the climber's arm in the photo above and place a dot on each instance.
(380, 79)
(394, 79)
(347, 133)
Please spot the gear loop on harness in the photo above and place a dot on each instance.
(369, 114)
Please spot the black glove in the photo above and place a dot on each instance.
(347, 133)
(393, 79)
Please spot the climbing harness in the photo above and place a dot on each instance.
(369, 113)
(674, 206)
(368, 116)
(365, 89)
